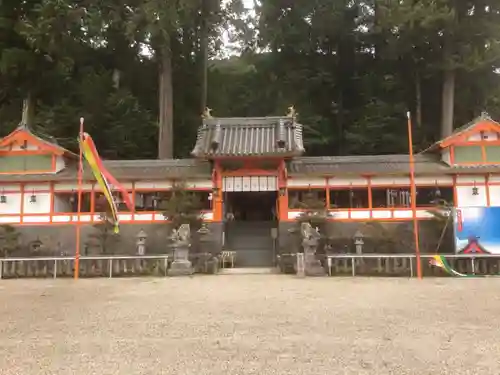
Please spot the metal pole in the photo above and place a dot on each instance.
(473, 264)
(411, 266)
(110, 268)
(165, 265)
(79, 204)
(55, 268)
(413, 191)
(329, 266)
(353, 266)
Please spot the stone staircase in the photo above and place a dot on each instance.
(249, 271)
(252, 243)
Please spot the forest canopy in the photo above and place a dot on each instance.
(142, 71)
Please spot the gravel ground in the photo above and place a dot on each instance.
(250, 324)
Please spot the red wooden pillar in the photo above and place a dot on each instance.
(217, 192)
(282, 192)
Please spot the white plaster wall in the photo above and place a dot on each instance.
(494, 195)
(470, 179)
(71, 186)
(29, 188)
(41, 206)
(346, 181)
(13, 195)
(305, 182)
(494, 178)
(465, 198)
(446, 156)
(488, 136)
(60, 163)
(61, 205)
(13, 205)
(30, 147)
(432, 180)
(375, 181)
(42, 193)
(365, 214)
(385, 181)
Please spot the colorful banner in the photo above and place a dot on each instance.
(105, 180)
(441, 262)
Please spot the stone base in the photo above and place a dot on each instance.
(180, 268)
(315, 269)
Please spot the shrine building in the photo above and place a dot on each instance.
(251, 176)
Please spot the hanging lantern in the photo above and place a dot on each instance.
(3, 197)
(437, 191)
(33, 197)
(475, 190)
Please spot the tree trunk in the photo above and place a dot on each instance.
(165, 94)
(340, 120)
(204, 55)
(116, 78)
(448, 93)
(28, 115)
(418, 97)
(448, 102)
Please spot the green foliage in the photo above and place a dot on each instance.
(351, 69)
(103, 238)
(9, 240)
(314, 211)
(183, 207)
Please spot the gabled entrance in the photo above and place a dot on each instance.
(249, 157)
(250, 218)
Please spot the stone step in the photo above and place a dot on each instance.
(253, 257)
(249, 271)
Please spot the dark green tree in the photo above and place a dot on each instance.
(9, 240)
(183, 207)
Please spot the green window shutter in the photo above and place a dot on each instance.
(468, 154)
(25, 163)
(492, 154)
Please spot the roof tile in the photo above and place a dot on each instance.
(128, 170)
(255, 136)
(378, 164)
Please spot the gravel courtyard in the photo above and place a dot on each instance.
(250, 324)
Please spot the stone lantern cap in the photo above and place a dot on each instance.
(142, 235)
(358, 235)
(204, 229)
(36, 244)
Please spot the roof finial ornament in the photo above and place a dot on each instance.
(291, 112)
(207, 113)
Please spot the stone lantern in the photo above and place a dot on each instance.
(36, 246)
(310, 242)
(181, 243)
(207, 261)
(205, 236)
(141, 242)
(359, 242)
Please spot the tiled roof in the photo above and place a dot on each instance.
(257, 136)
(45, 139)
(128, 170)
(462, 129)
(378, 164)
